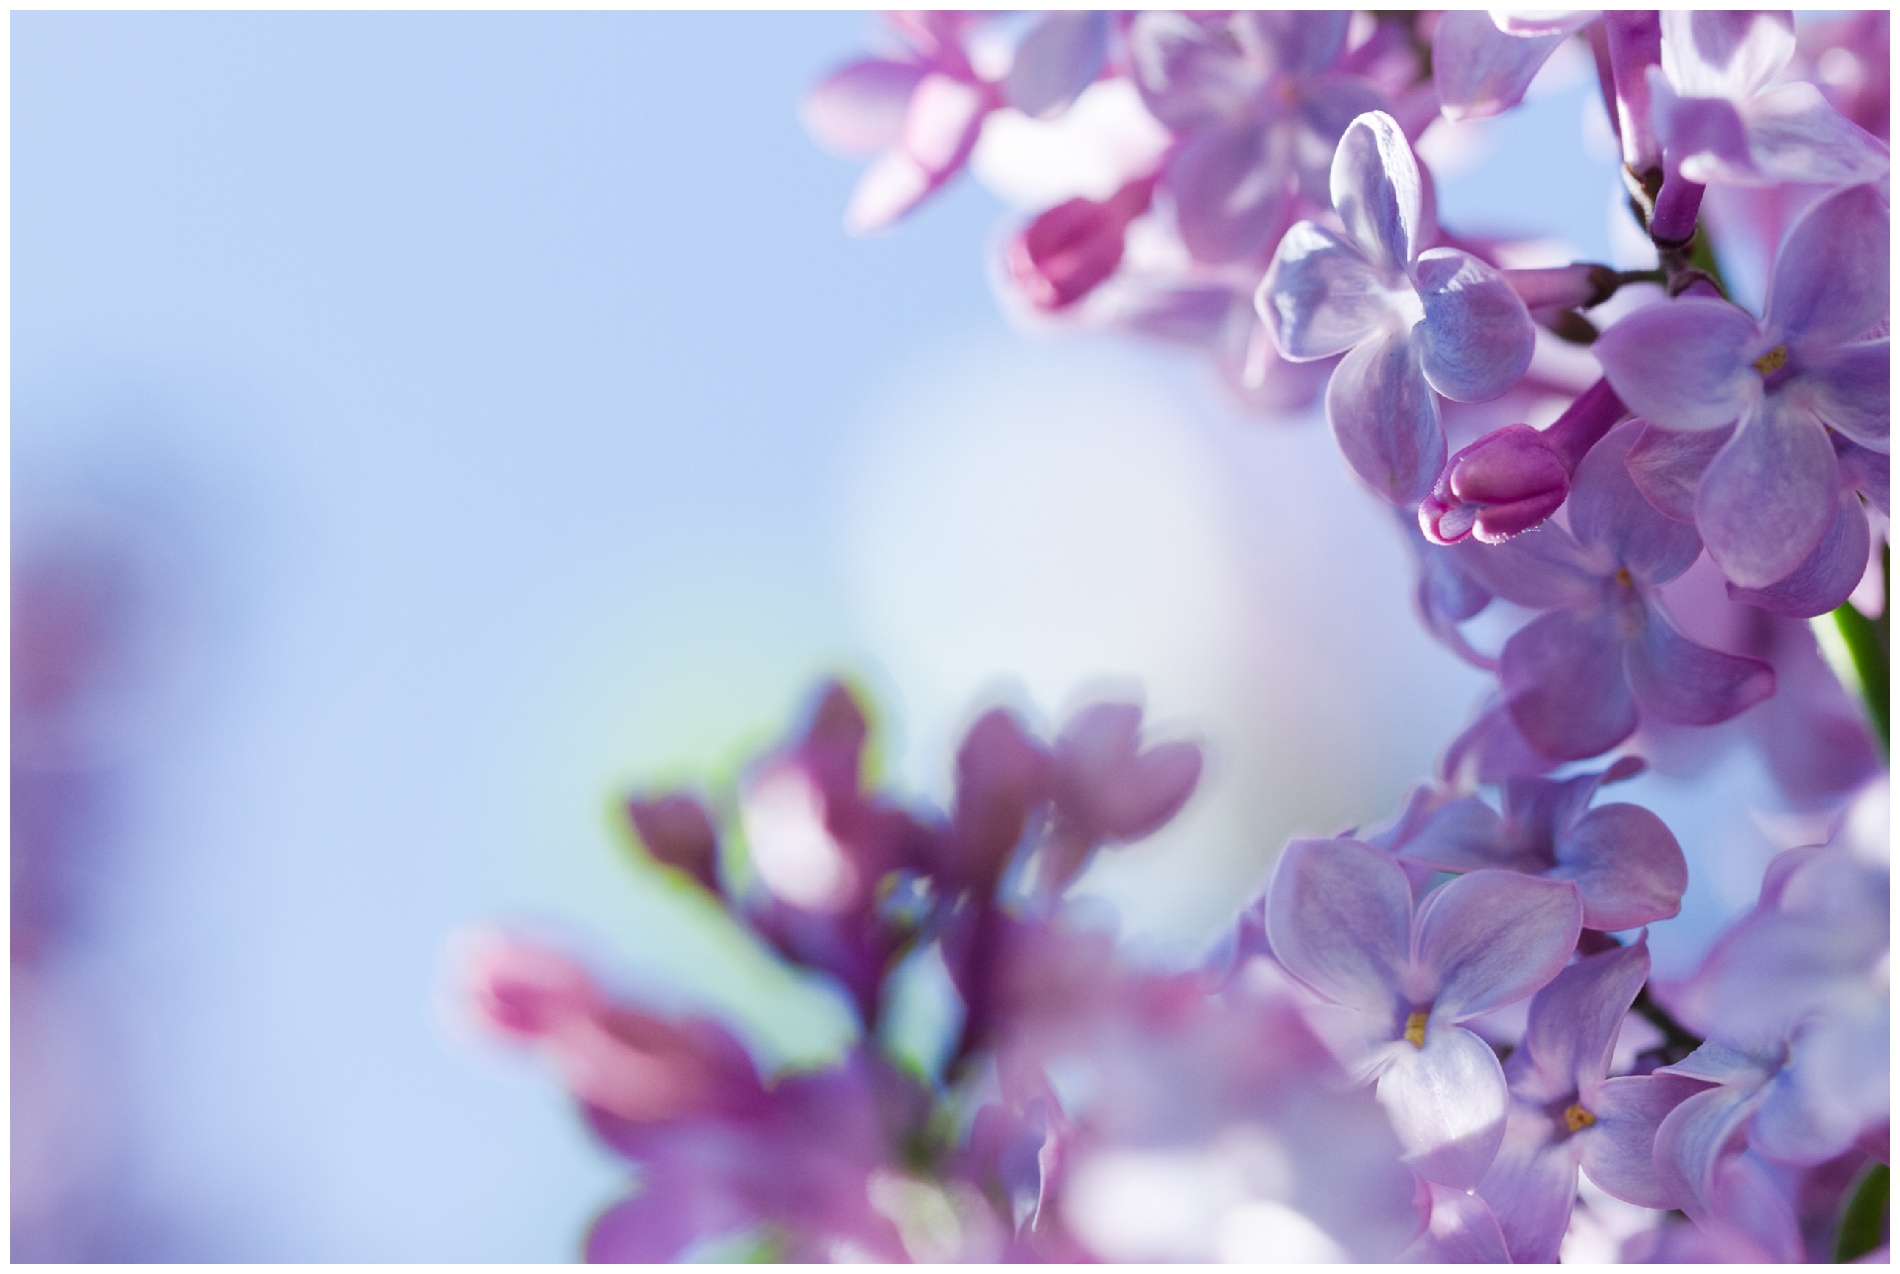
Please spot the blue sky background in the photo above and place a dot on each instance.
(514, 423)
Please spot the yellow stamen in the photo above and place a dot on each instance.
(1415, 1030)
(1576, 1118)
(1772, 361)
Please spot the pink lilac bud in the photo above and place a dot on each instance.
(1502, 484)
(1579, 285)
(675, 830)
(1065, 252)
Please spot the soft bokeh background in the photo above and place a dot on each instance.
(472, 417)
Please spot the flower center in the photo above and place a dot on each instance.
(1624, 577)
(1576, 1118)
(1773, 361)
(1415, 1030)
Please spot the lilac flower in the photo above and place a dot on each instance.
(1628, 868)
(1722, 118)
(1769, 495)
(1574, 676)
(1483, 61)
(921, 113)
(1340, 918)
(1414, 323)
(1566, 1113)
(1257, 112)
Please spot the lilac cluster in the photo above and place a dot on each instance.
(1421, 1039)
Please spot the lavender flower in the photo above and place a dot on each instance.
(1809, 367)
(1413, 322)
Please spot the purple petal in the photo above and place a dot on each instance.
(1706, 137)
(1530, 1187)
(941, 128)
(1447, 1101)
(1573, 1021)
(1385, 418)
(1626, 864)
(1768, 495)
(1229, 186)
(1831, 279)
(1608, 512)
(1467, 835)
(1493, 748)
(1619, 1151)
(1108, 783)
(1667, 467)
(1339, 917)
(672, 1211)
(1480, 70)
(1377, 193)
(1490, 938)
(1462, 1231)
(1690, 1140)
(1541, 568)
(1320, 297)
(675, 830)
(1061, 56)
(1868, 472)
(1851, 391)
(1794, 135)
(1476, 338)
(859, 109)
(1827, 575)
(1724, 54)
(1294, 42)
(1686, 684)
(1683, 364)
(1564, 682)
(1327, 106)
(1189, 74)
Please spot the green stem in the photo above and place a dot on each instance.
(1864, 1220)
(1867, 645)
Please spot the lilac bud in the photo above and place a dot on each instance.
(1504, 483)
(675, 830)
(1065, 252)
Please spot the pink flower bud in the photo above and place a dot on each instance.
(1503, 484)
(1065, 252)
(675, 830)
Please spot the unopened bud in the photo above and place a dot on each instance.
(1063, 254)
(1501, 485)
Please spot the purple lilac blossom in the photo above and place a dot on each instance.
(1807, 370)
(1341, 919)
(1482, 62)
(1257, 112)
(1723, 118)
(1409, 322)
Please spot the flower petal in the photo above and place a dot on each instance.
(1339, 917)
(1618, 1152)
(1543, 567)
(1291, 41)
(1794, 135)
(1189, 74)
(1531, 1186)
(1852, 391)
(1320, 297)
(1608, 512)
(1683, 364)
(1229, 186)
(1377, 193)
(1490, 938)
(1480, 70)
(673, 1210)
(1447, 1101)
(1667, 467)
(1565, 686)
(1768, 495)
(859, 109)
(1827, 575)
(1573, 1022)
(1686, 684)
(1690, 1140)
(1831, 281)
(1467, 835)
(1059, 57)
(1461, 1231)
(1476, 338)
(1868, 472)
(1705, 137)
(1385, 418)
(1627, 865)
(1724, 54)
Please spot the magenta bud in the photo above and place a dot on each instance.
(1063, 254)
(1501, 485)
(676, 831)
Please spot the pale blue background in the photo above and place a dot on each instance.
(490, 384)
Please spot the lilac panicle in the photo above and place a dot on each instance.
(1767, 497)
(1409, 322)
(1574, 677)
(1340, 918)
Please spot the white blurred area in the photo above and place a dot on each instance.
(1042, 523)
